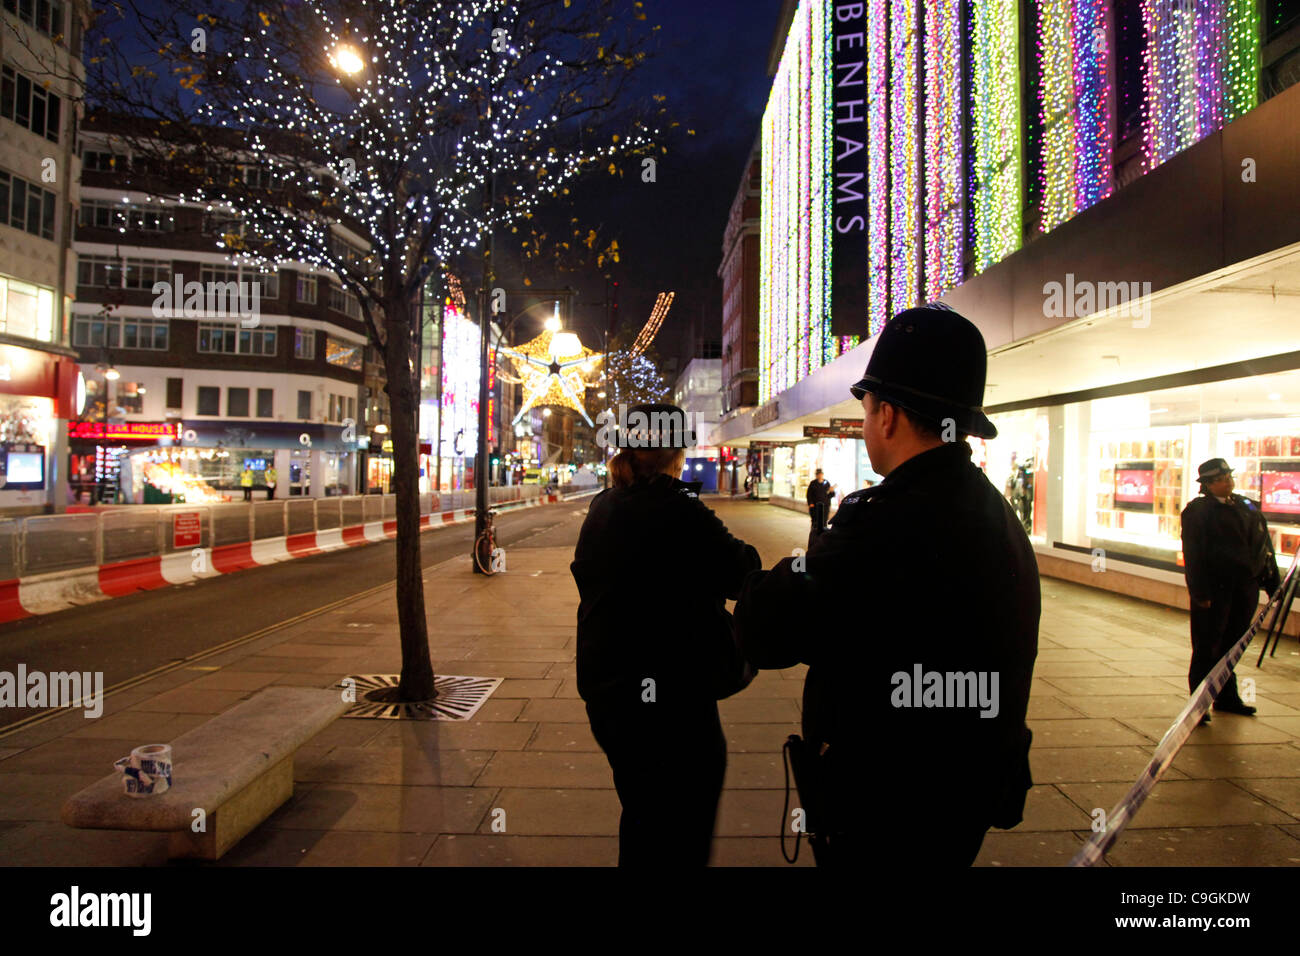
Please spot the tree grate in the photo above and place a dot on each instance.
(459, 698)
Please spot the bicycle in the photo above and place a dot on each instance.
(485, 545)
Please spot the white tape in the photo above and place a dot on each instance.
(1198, 704)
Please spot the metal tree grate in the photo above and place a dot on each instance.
(459, 698)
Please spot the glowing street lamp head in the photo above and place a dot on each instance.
(346, 59)
(565, 344)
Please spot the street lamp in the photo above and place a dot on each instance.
(346, 59)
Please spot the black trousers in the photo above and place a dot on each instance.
(1216, 628)
(668, 765)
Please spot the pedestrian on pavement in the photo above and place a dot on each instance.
(271, 476)
(819, 497)
(917, 612)
(656, 647)
(246, 482)
(1228, 558)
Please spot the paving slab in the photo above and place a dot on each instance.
(1013, 848)
(1186, 803)
(1257, 845)
(1085, 732)
(1090, 764)
(554, 812)
(368, 807)
(456, 849)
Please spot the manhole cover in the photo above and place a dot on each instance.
(459, 698)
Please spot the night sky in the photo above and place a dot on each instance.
(711, 62)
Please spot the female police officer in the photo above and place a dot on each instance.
(654, 567)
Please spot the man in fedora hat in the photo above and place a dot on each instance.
(1227, 557)
(927, 601)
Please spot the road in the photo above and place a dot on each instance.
(125, 637)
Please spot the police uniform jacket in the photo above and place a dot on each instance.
(1226, 545)
(819, 492)
(927, 572)
(654, 568)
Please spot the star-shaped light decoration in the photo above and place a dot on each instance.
(553, 367)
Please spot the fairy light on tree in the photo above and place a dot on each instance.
(362, 138)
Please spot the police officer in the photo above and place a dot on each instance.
(819, 498)
(926, 596)
(1228, 557)
(656, 650)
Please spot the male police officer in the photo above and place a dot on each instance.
(1228, 557)
(925, 591)
(819, 498)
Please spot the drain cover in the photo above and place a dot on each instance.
(459, 698)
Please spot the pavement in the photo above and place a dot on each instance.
(1110, 678)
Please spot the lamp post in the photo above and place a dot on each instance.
(485, 331)
(110, 374)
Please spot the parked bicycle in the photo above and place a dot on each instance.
(485, 545)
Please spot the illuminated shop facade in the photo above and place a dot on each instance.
(1107, 190)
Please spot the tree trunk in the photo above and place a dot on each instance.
(417, 669)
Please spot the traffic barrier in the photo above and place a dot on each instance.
(213, 546)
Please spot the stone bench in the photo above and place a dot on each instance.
(236, 767)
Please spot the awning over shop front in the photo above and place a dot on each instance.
(264, 435)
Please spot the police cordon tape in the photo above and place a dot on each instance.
(1198, 704)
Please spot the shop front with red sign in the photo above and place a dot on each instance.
(37, 389)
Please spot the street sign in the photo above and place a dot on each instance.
(824, 431)
(187, 529)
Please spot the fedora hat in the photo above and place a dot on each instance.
(932, 362)
(1212, 469)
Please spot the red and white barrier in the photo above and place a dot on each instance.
(59, 590)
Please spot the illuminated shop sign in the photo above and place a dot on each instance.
(124, 431)
(460, 378)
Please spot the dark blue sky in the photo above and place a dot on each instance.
(712, 64)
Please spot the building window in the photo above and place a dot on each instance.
(29, 104)
(143, 273)
(174, 386)
(218, 337)
(231, 339)
(130, 397)
(103, 214)
(26, 206)
(352, 408)
(265, 403)
(343, 301)
(304, 405)
(209, 400)
(304, 343)
(259, 341)
(343, 354)
(102, 161)
(306, 291)
(99, 272)
(44, 15)
(26, 310)
(118, 331)
(237, 402)
(268, 283)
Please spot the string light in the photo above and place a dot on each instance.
(878, 166)
(663, 302)
(995, 189)
(795, 231)
(943, 144)
(904, 160)
(1201, 70)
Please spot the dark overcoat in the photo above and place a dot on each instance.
(927, 572)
